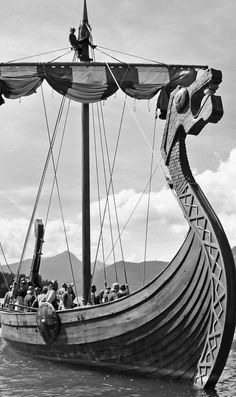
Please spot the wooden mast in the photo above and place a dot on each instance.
(86, 262)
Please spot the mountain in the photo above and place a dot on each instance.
(53, 268)
(58, 268)
(134, 273)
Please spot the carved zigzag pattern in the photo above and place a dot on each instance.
(199, 222)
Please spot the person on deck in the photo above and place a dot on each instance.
(21, 295)
(71, 291)
(29, 298)
(41, 296)
(123, 291)
(8, 297)
(93, 297)
(60, 294)
(38, 292)
(106, 294)
(100, 296)
(114, 292)
(68, 298)
(51, 295)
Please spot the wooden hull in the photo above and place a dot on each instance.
(159, 331)
(155, 331)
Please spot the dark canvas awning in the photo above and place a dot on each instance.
(88, 83)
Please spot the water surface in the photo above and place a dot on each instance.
(21, 376)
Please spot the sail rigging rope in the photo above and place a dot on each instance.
(36, 201)
(113, 196)
(105, 180)
(58, 157)
(105, 53)
(150, 179)
(60, 56)
(55, 182)
(5, 259)
(147, 186)
(136, 205)
(50, 153)
(99, 195)
(131, 55)
(112, 169)
(37, 55)
(4, 277)
(149, 196)
(112, 187)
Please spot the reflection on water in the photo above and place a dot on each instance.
(27, 377)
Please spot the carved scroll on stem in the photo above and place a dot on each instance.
(190, 109)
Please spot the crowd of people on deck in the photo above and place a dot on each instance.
(108, 294)
(27, 297)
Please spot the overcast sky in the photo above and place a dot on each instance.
(179, 32)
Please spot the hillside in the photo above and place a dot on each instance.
(58, 268)
(134, 273)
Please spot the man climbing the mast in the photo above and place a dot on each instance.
(79, 44)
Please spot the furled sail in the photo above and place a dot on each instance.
(88, 83)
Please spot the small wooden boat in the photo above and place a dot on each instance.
(181, 324)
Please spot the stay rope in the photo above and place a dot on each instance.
(135, 207)
(126, 53)
(37, 55)
(52, 141)
(4, 277)
(106, 185)
(58, 157)
(109, 185)
(99, 195)
(103, 139)
(148, 206)
(55, 182)
(113, 194)
(5, 259)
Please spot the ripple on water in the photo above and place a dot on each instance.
(28, 377)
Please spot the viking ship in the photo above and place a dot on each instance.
(180, 325)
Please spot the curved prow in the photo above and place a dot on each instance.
(34, 271)
(190, 109)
